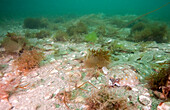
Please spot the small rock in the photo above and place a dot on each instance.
(144, 100)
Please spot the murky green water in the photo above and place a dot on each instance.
(15, 8)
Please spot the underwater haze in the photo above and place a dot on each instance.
(84, 54)
(24, 8)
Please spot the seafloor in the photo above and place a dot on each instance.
(70, 77)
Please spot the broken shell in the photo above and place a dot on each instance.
(105, 70)
(48, 96)
(164, 106)
(79, 99)
(57, 91)
(54, 71)
(144, 100)
(146, 108)
(135, 90)
(34, 74)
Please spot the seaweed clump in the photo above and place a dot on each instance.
(149, 32)
(13, 43)
(79, 28)
(101, 31)
(42, 34)
(12, 83)
(159, 79)
(35, 23)
(97, 58)
(160, 82)
(29, 34)
(60, 36)
(28, 60)
(105, 100)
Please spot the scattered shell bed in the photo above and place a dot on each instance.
(48, 80)
(62, 72)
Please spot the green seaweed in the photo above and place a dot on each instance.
(91, 37)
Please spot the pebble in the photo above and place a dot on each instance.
(144, 100)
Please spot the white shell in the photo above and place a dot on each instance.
(144, 100)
